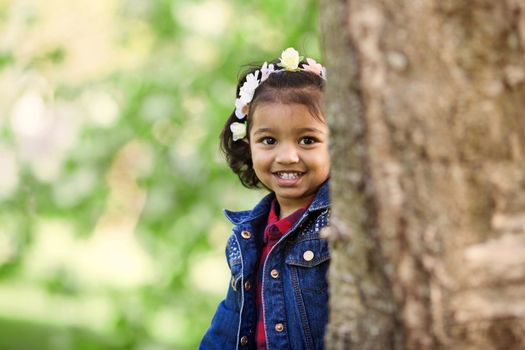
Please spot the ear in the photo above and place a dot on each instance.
(246, 140)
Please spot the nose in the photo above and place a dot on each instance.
(287, 154)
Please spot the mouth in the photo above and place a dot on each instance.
(288, 175)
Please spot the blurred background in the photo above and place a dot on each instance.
(111, 180)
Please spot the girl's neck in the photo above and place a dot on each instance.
(285, 208)
(285, 213)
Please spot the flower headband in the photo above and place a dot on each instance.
(289, 61)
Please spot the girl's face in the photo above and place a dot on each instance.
(289, 149)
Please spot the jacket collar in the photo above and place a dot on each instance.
(321, 201)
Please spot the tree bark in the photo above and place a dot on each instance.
(426, 105)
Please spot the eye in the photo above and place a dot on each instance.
(268, 140)
(307, 140)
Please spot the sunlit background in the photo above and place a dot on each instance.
(111, 180)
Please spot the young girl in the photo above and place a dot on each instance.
(277, 137)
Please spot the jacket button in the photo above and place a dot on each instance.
(308, 255)
(247, 285)
(274, 273)
(244, 340)
(246, 234)
(279, 327)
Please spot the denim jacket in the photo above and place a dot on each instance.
(294, 286)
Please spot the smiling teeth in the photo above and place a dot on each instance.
(288, 176)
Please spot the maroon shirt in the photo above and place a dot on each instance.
(274, 230)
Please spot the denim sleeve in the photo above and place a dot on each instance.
(222, 333)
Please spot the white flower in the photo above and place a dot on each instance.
(238, 130)
(266, 70)
(290, 59)
(248, 88)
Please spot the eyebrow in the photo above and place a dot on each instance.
(263, 130)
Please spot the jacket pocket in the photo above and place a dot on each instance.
(307, 262)
(310, 260)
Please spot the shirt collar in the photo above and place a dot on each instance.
(321, 201)
(277, 227)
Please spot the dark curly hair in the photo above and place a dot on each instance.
(301, 87)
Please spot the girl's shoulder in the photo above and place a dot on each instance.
(260, 210)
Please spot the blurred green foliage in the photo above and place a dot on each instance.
(111, 180)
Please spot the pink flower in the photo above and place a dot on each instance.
(313, 67)
(241, 109)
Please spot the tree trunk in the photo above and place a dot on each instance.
(426, 105)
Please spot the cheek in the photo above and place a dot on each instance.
(259, 158)
(320, 158)
(325, 156)
(327, 159)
